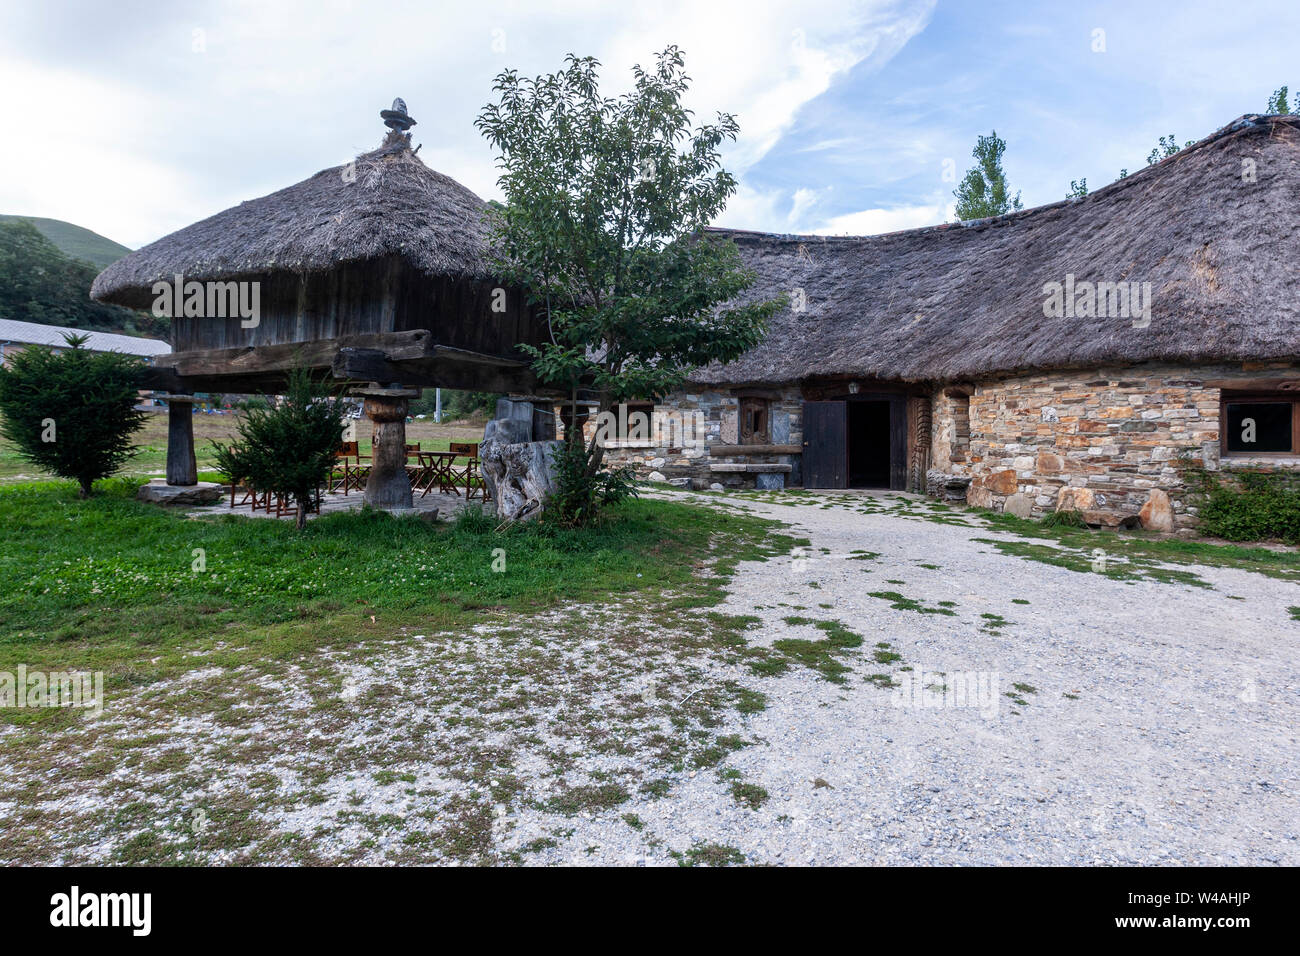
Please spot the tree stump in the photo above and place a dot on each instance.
(388, 486)
(520, 476)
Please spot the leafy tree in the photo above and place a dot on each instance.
(983, 192)
(607, 200)
(1079, 189)
(455, 403)
(1277, 103)
(1167, 146)
(72, 412)
(38, 283)
(287, 448)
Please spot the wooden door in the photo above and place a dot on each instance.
(825, 446)
(898, 444)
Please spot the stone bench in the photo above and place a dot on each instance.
(751, 468)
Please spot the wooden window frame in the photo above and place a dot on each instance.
(761, 436)
(1227, 398)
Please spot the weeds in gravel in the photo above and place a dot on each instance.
(821, 656)
(993, 624)
(1139, 548)
(1099, 561)
(901, 603)
(710, 854)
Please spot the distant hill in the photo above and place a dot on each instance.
(41, 283)
(76, 241)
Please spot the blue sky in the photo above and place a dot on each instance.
(136, 118)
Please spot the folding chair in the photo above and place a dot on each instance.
(470, 473)
(338, 478)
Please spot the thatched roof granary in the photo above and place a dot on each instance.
(377, 269)
(1213, 229)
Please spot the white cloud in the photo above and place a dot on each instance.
(804, 199)
(873, 222)
(153, 135)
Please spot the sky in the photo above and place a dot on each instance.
(857, 116)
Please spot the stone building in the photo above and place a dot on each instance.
(1077, 355)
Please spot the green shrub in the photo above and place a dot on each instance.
(1248, 505)
(287, 449)
(72, 413)
(581, 493)
(456, 404)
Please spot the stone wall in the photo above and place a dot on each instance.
(687, 426)
(1106, 442)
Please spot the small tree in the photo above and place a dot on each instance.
(72, 413)
(1167, 147)
(1079, 188)
(1277, 103)
(607, 200)
(287, 448)
(984, 192)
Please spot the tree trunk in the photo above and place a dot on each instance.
(85, 487)
(301, 520)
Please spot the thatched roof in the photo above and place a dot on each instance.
(959, 301)
(385, 203)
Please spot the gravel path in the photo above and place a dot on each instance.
(1177, 742)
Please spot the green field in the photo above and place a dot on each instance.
(151, 444)
(110, 584)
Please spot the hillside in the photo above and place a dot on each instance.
(76, 241)
(40, 282)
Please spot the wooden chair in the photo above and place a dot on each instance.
(338, 479)
(471, 473)
(356, 474)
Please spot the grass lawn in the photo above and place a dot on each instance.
(368, 689)
(109, 584)
(151, 443)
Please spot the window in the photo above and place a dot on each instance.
(635, 421)
(754, 429)
(1261, 425)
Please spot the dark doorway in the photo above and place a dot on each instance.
(868, 444)
(859, 442)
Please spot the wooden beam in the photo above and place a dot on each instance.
(450, 368)
(315, 354)
(412, 358)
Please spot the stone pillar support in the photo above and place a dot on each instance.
(388, 486)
